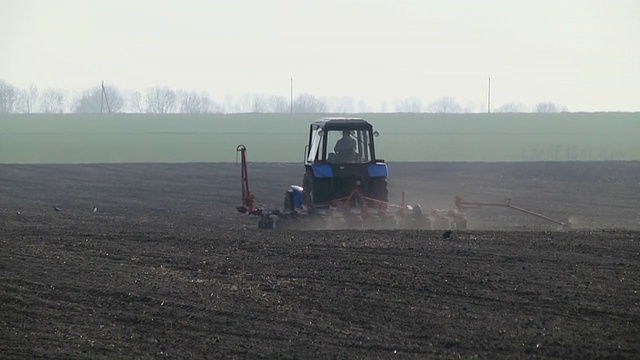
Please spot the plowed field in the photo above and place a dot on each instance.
(151, 260)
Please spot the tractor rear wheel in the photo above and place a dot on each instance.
(378, 189)
(319, 189)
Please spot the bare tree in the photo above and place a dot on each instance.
(249, 103)
(94, 101)
(160, 100)
(340, 104)
(470, 108)
(28, 99)
(52, 101)
(210, 106)
(243, 104)
(259, 104)
(193, 103)
(89, 101)
(408, 105)
(512, 107)
(309, 104)
(8, 97)
(229, 104)
(278, 104)
(445, 105)
(135, 101)
(548, 107)
(115, 98)
(384, 107)
(190, 102)
(363, 107)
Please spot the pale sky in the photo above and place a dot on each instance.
(583, 54)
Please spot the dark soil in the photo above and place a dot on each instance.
(152, 261)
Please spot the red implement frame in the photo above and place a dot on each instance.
(247, 197)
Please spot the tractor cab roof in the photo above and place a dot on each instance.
(339, 123)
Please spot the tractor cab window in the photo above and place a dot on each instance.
(348, 146)
(315, 146)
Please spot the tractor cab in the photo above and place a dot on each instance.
(341, 141)
(339, 158)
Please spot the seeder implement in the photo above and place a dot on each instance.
(345, 186)
(354, 211)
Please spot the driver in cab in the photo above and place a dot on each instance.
(345, 148)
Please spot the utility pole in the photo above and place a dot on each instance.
(291, 100)
(104, 98)
(101, 96)
(489, 98)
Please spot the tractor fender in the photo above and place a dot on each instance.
(378, 170)
(322, 171)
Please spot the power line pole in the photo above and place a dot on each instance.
(291, 100)
(489, 98)
(104, 98)
(101, 96)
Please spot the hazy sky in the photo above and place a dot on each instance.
(584, 54)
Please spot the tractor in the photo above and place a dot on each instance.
(340, 157)
(345, 186)
(344, 183)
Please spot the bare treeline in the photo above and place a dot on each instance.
(164, 100)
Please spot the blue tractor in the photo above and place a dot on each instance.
(340, 158)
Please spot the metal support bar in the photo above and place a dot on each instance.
(535, 214)
(460, 204)
(247, 196)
